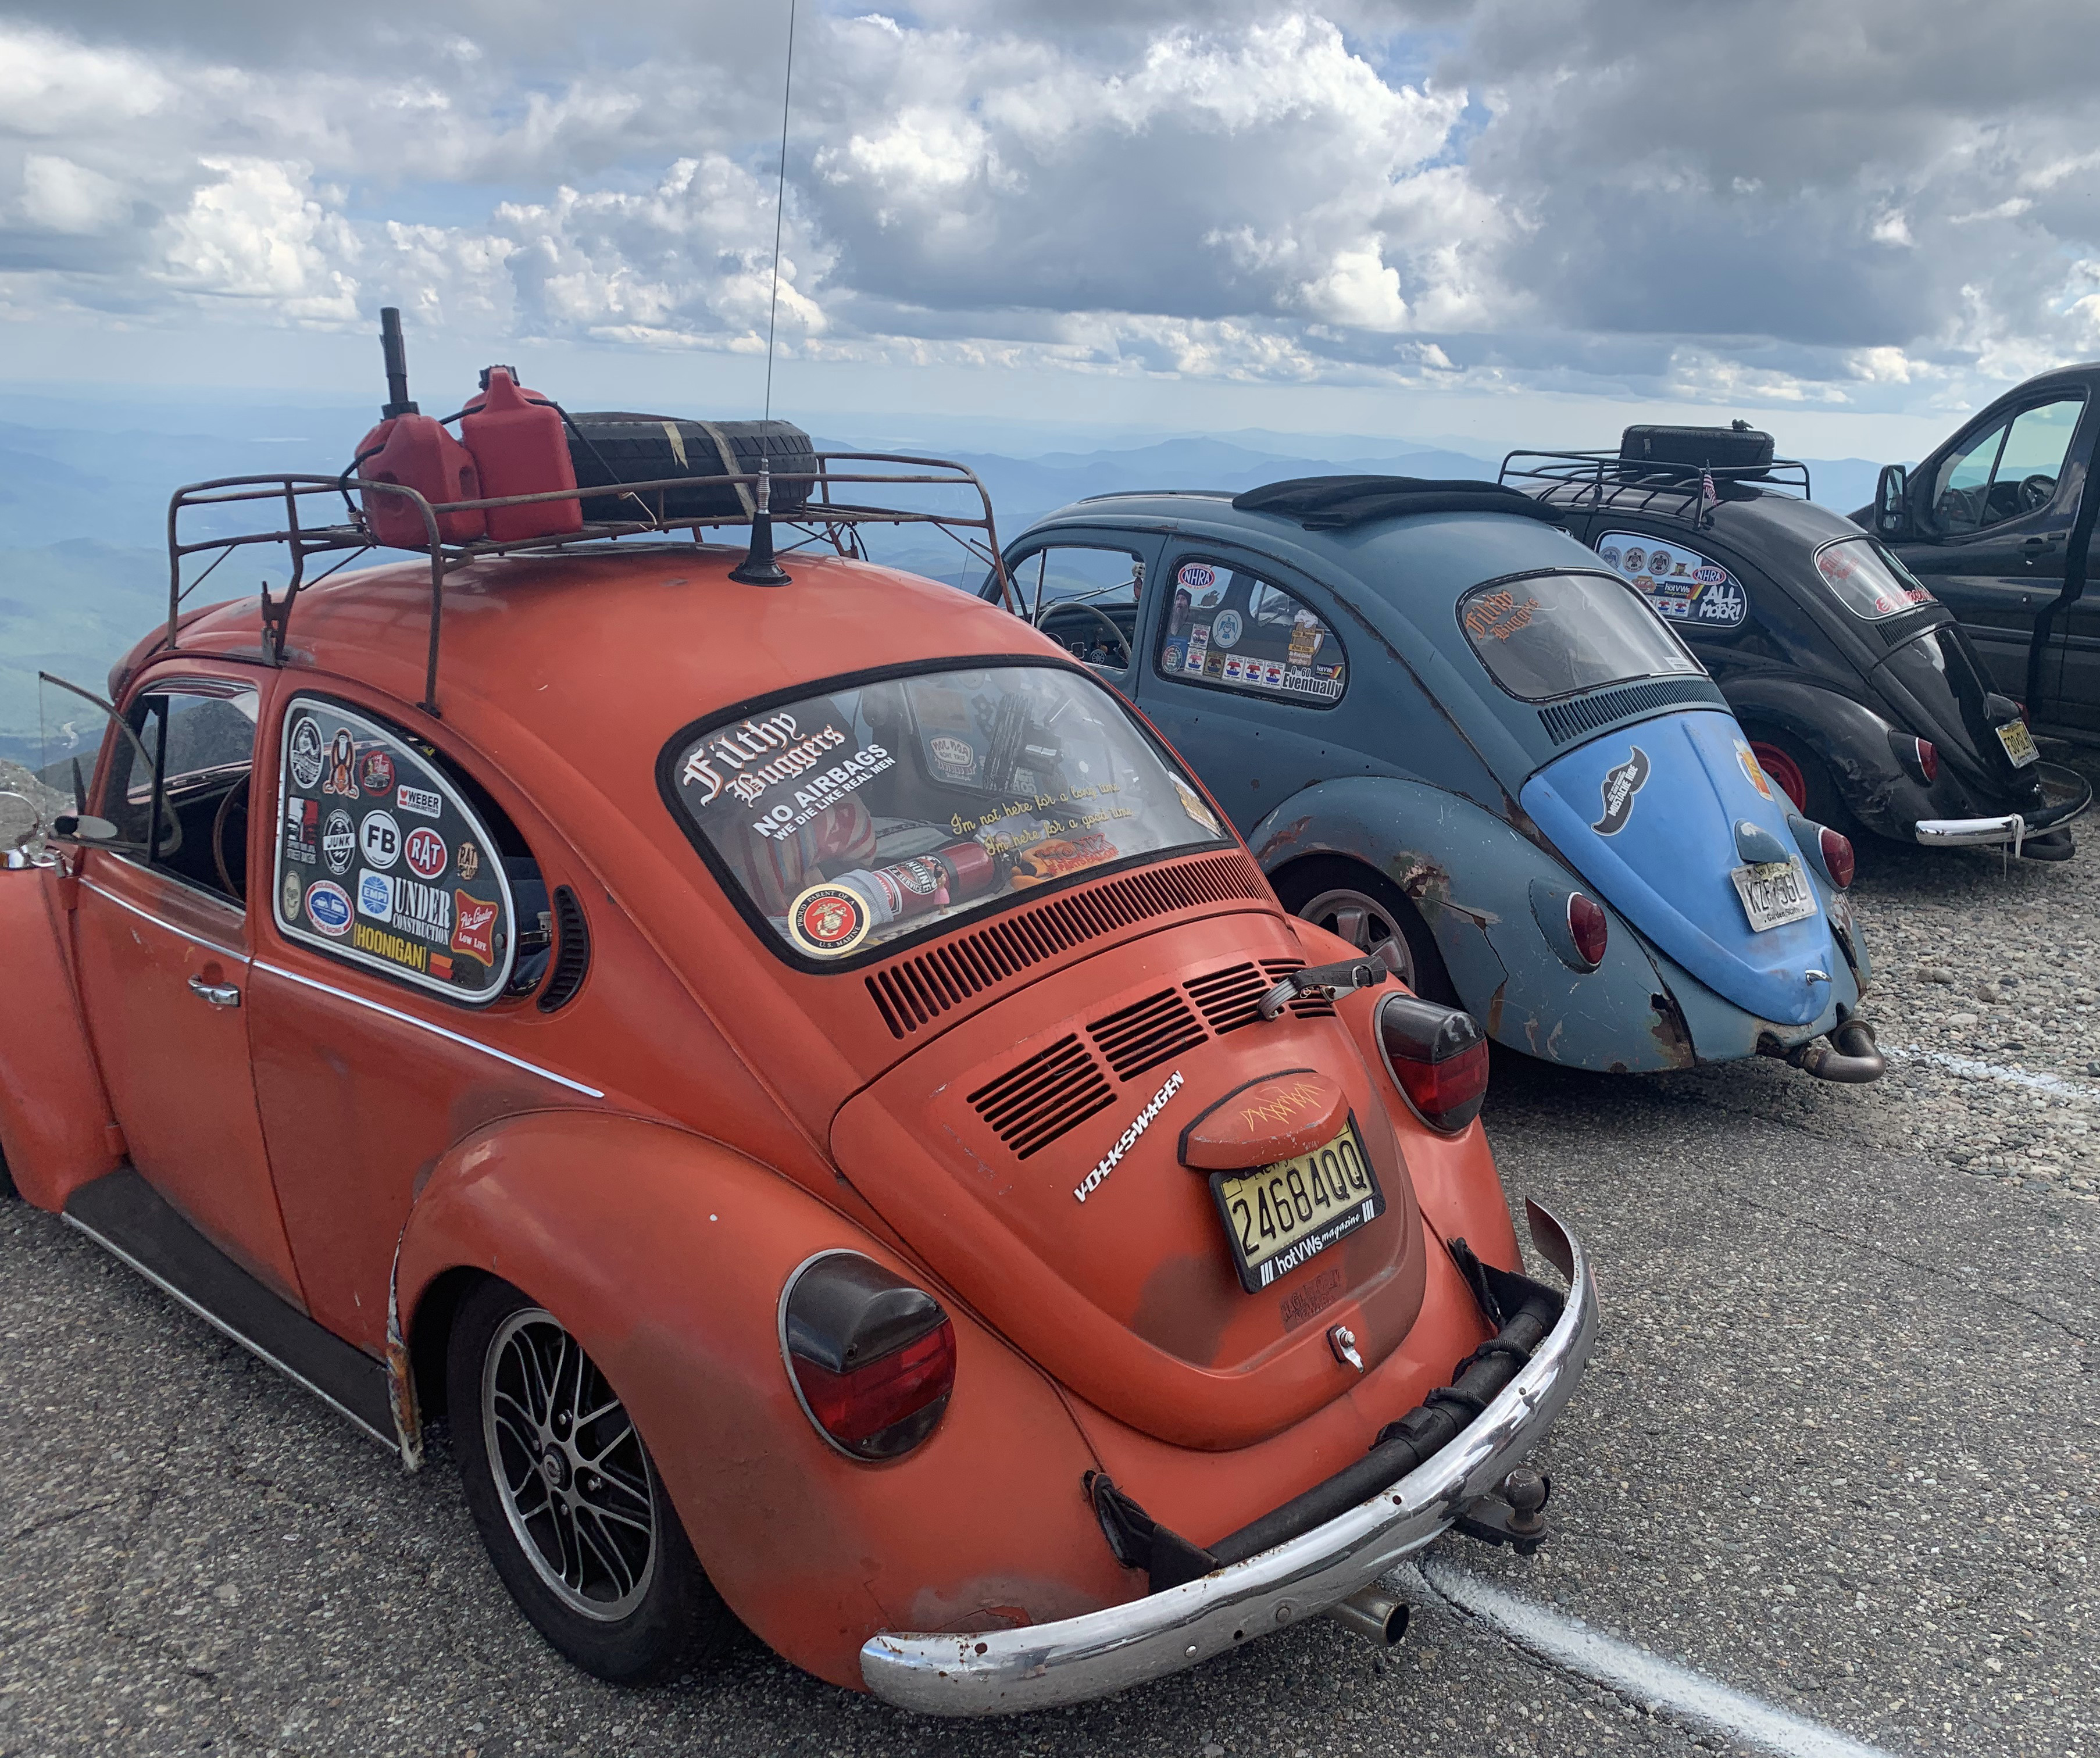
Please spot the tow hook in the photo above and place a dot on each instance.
(1849, 1055)
(1513, 1513)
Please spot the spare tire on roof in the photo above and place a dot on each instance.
(609, 446)
(1329, 503)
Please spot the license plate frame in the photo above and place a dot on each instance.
(2019, 743)
(1330, 1222)
(1763, 914)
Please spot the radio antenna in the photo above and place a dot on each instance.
(779, 209)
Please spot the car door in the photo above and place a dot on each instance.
(1995, 509)
(1083, 588)
(1243, 673)
(163, 942)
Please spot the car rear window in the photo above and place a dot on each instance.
(1549, 635)
(857, 816)
(1867, 580)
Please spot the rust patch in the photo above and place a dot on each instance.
(1495, 1008)
(1281, 837)
(1671, 1034)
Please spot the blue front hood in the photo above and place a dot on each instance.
(1648, 816)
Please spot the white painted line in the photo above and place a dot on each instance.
(1631, 1670)
(2060, 1085)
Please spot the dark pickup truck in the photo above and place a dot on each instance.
(1998, 523)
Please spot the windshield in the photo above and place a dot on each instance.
(1550, 635)
(1868, 581)
(856, 817)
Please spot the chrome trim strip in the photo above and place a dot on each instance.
(224, 1329)
(147, 915)
(990, 1673)
(437, 1031)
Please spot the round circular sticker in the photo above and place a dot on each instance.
(426, 852)
(379, 839)
(1196, 574)
(1225, 629)
(827, 920)
(304, 751)
(291, 897)
(375, 775)
(339, 841)
(327, 908)
(1635, 560)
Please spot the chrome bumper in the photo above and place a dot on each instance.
(1973, 833)
(1003, 1671)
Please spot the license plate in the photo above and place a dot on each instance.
(1279, 1217)
(2018, 743)
(1774, 892)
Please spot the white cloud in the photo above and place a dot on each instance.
(67, 197)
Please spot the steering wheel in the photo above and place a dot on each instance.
(2036, 492)
(1043, 613)
(237, 793)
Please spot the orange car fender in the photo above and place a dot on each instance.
(665, 1254)
(1456, 1184)
(56, 1128)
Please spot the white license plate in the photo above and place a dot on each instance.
(1774, 892)
(2018, 743)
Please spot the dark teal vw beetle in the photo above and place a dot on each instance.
(1454, 737)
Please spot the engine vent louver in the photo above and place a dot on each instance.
(1563, 720)
(1030, 1106)
(1306, 1007)
(571, 953)
(1228, 997)
(1147, 1033)
(914, 992)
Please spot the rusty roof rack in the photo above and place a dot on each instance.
(821, 519)
(1605, 481)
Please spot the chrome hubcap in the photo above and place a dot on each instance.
(569, 1466)
(1366, 924)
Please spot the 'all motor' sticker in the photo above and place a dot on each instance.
(378, 858)
(1684, 586)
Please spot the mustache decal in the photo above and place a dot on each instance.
(1621, 782)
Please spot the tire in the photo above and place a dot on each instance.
(1371, 913)
(1802, 778)
(629, 1602)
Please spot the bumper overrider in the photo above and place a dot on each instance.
(2068, 794)
(1042, 1666)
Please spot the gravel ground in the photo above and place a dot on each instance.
(1837, 1448)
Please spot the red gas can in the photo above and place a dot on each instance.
(519, 448)
(416, 451)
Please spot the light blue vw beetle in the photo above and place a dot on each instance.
(1453, 737)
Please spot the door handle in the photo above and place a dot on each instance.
(217, 994)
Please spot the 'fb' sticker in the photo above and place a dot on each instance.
(379, 839)
(426, 852)
(419, 800)
(473, 922)
(1621, 782)
(338, 841)
(341, 760)
(828, 920)
(305, 750)
(327, 908)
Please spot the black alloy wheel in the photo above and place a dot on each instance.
(1372, 914)
(567, 1500)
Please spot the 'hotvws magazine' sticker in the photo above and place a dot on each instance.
(1685, 586)
(417, 900)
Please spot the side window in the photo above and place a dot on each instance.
(1085, 597)
(2010, 469)
(383, 860)
(177, 788)
(1235, 630)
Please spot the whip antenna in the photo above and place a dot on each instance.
(779, 209)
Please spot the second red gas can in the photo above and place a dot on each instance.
(519, 448)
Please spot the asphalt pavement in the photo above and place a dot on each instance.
(1836, 1451)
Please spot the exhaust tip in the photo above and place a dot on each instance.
(1373, 1614)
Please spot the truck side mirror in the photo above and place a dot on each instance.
(1892, 504)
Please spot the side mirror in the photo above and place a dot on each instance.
(74, 827)
(1892, 504)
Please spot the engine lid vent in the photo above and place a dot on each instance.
(1147, 1033)
(1033, 1105)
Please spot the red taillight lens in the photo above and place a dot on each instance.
(1837, 856)
(1928, 759)
(1590, 927)
(873, 1357)
(1438, 1058)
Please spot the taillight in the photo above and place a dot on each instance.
(1925, 755)
(1437, 1056)
(1590, 927)
(872, 1358)
(1837, 856)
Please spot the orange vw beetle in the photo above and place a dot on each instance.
(806, 1084)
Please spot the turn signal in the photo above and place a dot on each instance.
(1589, 926)
(1837, 856)
(1437, 1057)
(872, 1358)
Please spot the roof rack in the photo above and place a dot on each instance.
(1600, 481)
(1334, 503)
(821, 519)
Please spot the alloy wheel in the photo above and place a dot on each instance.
(570, 1468)
(1366, 924)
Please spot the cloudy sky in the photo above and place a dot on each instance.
(1843, 217)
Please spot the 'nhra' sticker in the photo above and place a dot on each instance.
(1620, 783)
(1684, 587)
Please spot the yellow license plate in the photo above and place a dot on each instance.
(2018, 743)
(1279, 1217)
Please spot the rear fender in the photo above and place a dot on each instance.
(1852, 740)
(665, 1255)
(1471, 872)
(56, 1128)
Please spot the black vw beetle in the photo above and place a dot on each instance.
(1860, 693)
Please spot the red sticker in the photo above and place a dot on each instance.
(377, 773)
(828, 920)
(426, 852)
(474, 923)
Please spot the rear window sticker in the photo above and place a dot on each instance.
(1682, 586)
(1225, 628)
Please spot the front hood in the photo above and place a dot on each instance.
(1034, 1157)
(1647, 814)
